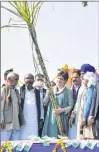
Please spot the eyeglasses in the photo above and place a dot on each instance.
(29, 78)
(40, 80)
(82, 73)
(16, 79)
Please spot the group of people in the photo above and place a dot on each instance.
(28, 111)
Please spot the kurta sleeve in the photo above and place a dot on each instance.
(93, 105)
(70, 103)
(76, 107)
(3, 100)
(46, 100)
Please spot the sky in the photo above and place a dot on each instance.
(67, 33)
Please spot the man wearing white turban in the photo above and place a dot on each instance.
(91, 77)
(84, 97)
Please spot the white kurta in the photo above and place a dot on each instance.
(30, 115)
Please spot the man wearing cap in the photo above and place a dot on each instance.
(91, 77)
(87, 68)
(84, 69)
(11, 113)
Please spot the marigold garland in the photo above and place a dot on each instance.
(7, 145)
(58, 144)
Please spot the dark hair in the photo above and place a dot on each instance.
(39, 75)
(63, 74)
(6, 73)
(77, 71)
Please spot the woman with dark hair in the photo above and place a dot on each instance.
(64, 103)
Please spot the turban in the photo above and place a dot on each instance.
(87, 68)
(92, 69)
(91, 77)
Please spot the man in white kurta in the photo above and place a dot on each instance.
(30, 115)
(29, 110)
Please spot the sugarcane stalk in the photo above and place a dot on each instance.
(47, 80)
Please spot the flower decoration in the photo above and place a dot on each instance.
(6, 145)
(58, 144)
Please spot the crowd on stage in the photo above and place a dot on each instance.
(27, 110)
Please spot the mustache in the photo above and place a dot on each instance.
(29, 83)
(74, 80)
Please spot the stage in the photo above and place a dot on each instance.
(45, 146)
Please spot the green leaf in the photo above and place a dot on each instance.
(10, 11)
(6, 26)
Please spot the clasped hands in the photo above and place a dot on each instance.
(87, 122)
(58, 110)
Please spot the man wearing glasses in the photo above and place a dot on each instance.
(39, 84)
